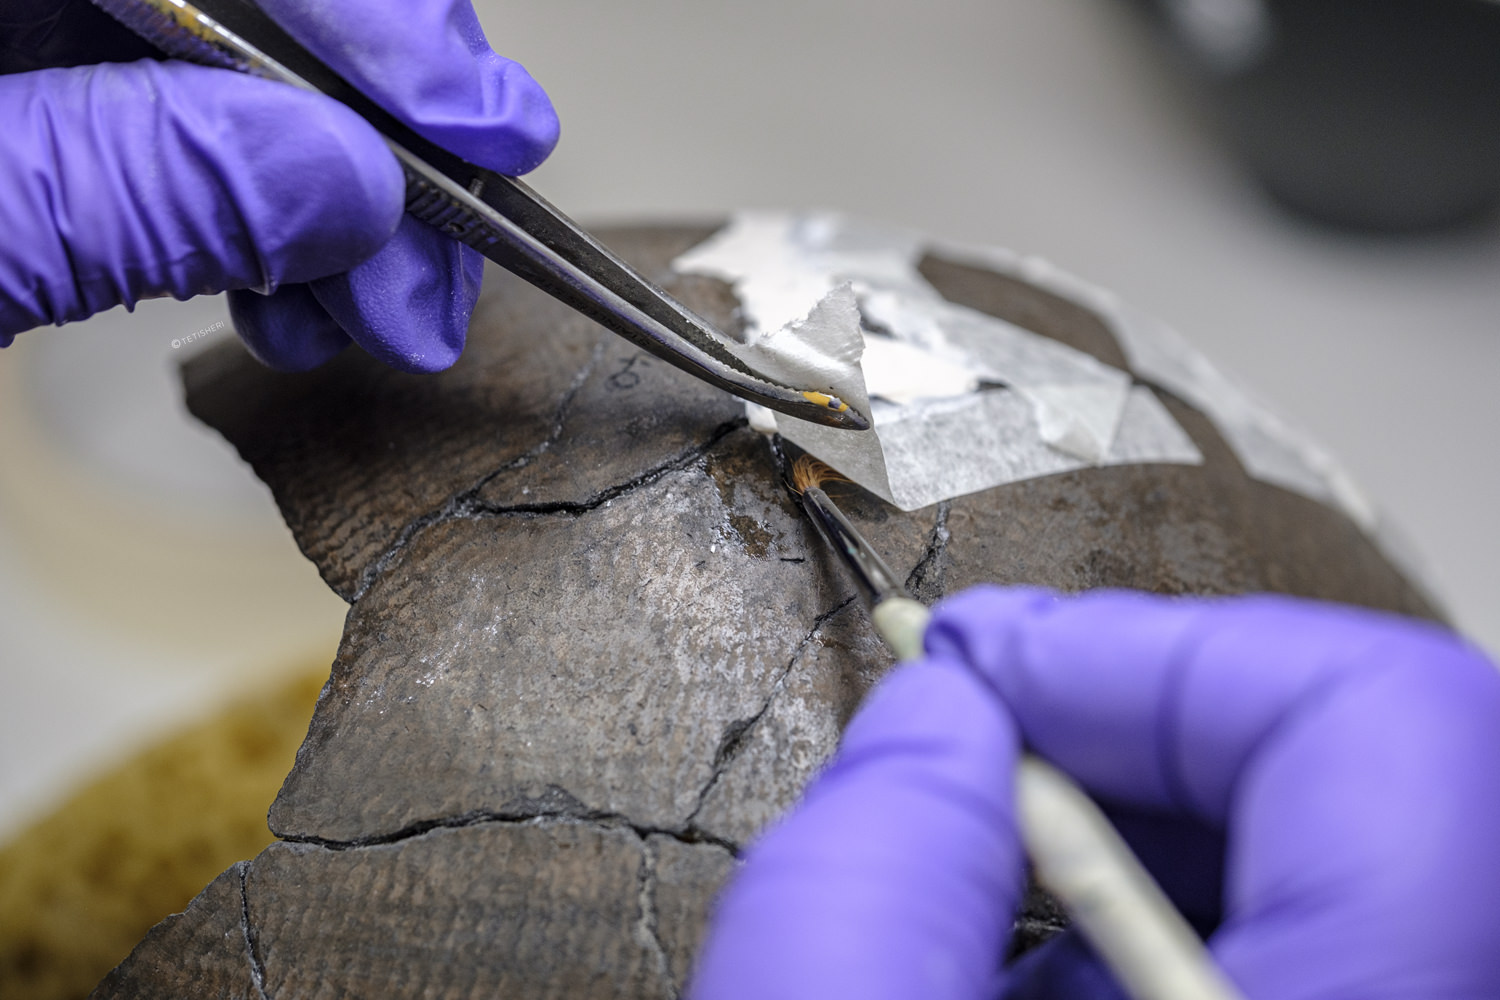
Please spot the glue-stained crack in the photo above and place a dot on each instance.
(453, 506)
(563, 808)
(927, 578)
(599, 819)
(559, 421)
(469, 505)
(648, 927)
(575, 507)
(257, 967)
(737, 733)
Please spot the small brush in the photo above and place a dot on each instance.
(899, 619)
(1076, 853)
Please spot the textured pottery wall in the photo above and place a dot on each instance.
(593, 647)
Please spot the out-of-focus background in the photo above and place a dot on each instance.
(145, 576)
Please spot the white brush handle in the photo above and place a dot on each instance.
(1083, 861)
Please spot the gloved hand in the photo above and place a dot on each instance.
(1319, 784)
(127, 181)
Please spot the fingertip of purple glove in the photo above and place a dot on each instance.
(1158, 701)
(409, 305)
(430, 65)
(975, 625)
(935, 724)
(287, 330)
(519, 128)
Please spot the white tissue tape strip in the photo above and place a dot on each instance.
(820, 349)
(1077, 399)
(979, 440)
(1267, 447)
(808, 284)
(906, 374)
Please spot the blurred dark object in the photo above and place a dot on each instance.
(41, 34)
(1373, 114)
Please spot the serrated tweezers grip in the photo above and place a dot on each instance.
(499, 216)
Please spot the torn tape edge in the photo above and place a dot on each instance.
(1126, 323)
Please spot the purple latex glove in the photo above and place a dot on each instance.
(1327, 779)
(120, 182)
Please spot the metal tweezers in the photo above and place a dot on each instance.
(499, 216)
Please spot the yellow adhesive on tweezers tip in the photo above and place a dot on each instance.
(186, 16)
(823, 399)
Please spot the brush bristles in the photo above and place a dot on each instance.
(808, 472)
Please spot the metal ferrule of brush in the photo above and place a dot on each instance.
(874, 576)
